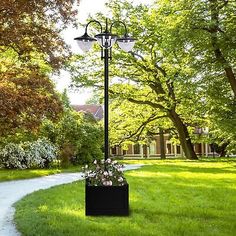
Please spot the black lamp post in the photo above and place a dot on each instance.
(106, 40)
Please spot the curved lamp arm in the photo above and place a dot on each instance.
(121, 22)
(93, 21)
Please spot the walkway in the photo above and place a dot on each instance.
(13, 191)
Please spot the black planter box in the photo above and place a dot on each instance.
(107, 200)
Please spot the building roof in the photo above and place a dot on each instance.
(95, 110)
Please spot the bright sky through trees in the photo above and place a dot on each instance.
(86, 8)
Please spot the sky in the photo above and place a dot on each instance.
(86, 8)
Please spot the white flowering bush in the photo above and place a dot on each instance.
(104, 173)
(39, 153)
(13, 156)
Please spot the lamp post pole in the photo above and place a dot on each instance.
(106, 103)
(106, 40)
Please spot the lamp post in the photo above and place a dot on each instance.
(106, 40)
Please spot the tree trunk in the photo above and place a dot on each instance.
(214, 8)
(162, 144)
(221, 150)
(227, 68)
(184, 137)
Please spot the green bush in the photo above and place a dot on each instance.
(77, 131)
(66, 154)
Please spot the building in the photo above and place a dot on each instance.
(153, 150)
(95, 110)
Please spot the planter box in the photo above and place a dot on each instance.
(107, 200)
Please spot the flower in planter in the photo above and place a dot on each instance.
(104, 173)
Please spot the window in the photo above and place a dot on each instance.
(136, 149)
(113, 150)
(168, 148)
(178, 150)
(153, 148)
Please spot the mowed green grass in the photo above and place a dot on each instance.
(166, 198)
(6, 175)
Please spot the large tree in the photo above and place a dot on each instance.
(206, 29)
(28, 26)
(26, 98)
(155, 74)
(31, 49)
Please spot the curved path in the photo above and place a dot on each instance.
(13, 191)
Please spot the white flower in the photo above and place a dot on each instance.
(108, 160)
(110, 173)
(105, 183)
(105, 173)
(120, 179)
(95, 162)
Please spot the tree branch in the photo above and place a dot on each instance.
(140, 129)
(154, 105)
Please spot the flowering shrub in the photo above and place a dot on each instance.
(104, 173)
(39, 153)
(12, 156)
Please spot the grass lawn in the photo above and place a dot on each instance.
(166, 198)
(6, 174)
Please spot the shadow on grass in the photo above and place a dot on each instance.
(181, 168)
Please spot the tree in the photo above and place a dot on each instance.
(155, 74)
(95, 98)
(26, 101)
(206, 29)
(31, 49)
(132, 123)
(34, 26)
(65, 99)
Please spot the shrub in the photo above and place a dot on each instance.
(66, 154)
(13, 156)
(39, 153)
(81, 132)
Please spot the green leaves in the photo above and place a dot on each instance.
(174, 67)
